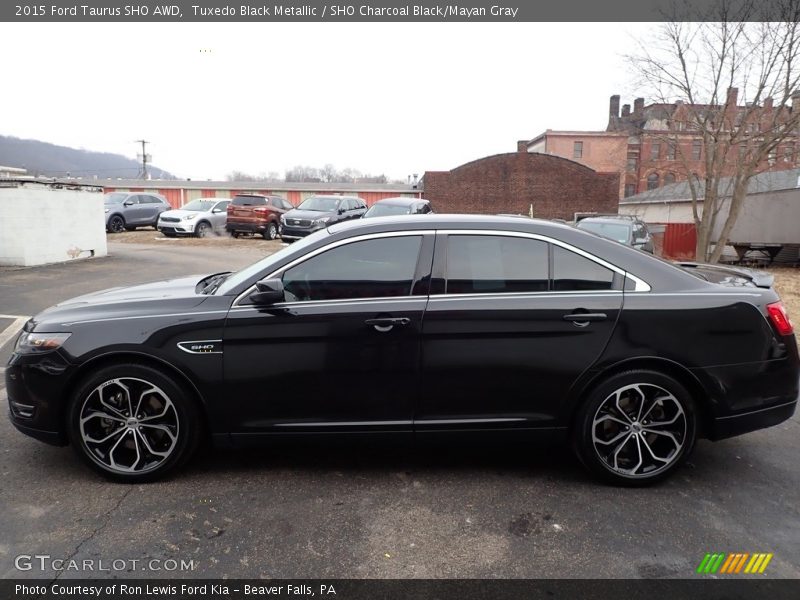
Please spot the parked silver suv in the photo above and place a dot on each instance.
(129, 210)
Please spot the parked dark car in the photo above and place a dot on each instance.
(318, 212)
(398, 206)
(623, 229)
(129, 210)
(254, 213)
(450, 324)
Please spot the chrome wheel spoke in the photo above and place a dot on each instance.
(124, 440)
(91, 440)
(639, 430)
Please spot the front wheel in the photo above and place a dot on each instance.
(116, 224)
(202, 229)
(636, 428)
(132, 423)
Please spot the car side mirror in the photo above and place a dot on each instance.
(217, 211)
(128, 203)
(341, 211)
(268, 291)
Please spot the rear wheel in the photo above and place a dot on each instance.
(636, 428)
(132, 423)
(271, 232)
(234, 234)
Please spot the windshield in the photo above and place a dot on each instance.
(115, 198)
(613, 231)
(199, 205)
(263, 265)
(385, 210)
(320, 203)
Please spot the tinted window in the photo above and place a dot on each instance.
(369, 269)
(320, 203)
(132, 199)
(222, 205)
(491, 264)
(572, 271)
(249, 201)
(151, 200)
(287, 205)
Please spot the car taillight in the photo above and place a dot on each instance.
(780, 318)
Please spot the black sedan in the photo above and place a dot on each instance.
(444, 325)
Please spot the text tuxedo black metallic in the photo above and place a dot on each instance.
(413, 325)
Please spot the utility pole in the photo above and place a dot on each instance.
(145, 158)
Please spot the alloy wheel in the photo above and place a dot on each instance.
(116, 225)
(202, 230)
(639, 430)
(129, 425)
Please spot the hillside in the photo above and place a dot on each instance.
(49, 160)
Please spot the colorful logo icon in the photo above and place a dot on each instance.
(734, 563)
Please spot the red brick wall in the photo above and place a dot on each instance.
(510, 183)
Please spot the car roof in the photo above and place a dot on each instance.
(337, 196)
(401, 201)
(610, 219)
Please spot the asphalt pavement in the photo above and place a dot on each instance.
(374, 510)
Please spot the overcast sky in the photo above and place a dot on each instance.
(382, 98)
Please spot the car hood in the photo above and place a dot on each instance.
(146, 299)
(309, 214)
(180, 213)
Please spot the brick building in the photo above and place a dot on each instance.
(661, 142)
(521, 182)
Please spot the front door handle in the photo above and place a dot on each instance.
(386, 324)
(583, 319)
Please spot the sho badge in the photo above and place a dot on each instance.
(202, 347)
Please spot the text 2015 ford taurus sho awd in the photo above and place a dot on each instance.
(401, 325)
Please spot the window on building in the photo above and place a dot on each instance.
(788, 152)
(630, 189)
(671, 150)
(491, 264)
(742, 151)
(669, 178)
(655, 151)
(773, 156)
(652, 181)
(633, 160)
(577, 149)
(697, 149)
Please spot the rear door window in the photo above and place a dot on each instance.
(574, 272)
(491, 264)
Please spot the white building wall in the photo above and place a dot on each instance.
(40, 224)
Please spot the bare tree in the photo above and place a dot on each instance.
(697, 65)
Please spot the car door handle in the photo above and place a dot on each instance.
(386, 324)
(585, 317)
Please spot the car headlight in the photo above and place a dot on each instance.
(35, 342)
(189, 217)
(321, 221)
(283, 219)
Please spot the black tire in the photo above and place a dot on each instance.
(202, 229)
(235, 234)
(640, 416)
(271, 232)
(172, 437)
(170, 235)
(116, 224)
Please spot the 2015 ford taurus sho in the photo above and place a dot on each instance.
(455, 324)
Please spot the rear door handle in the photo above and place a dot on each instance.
(386, 324)
(585, 317)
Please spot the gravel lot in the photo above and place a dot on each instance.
(460, 510)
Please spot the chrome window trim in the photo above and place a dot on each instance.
(640, 285)
(325, 248)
